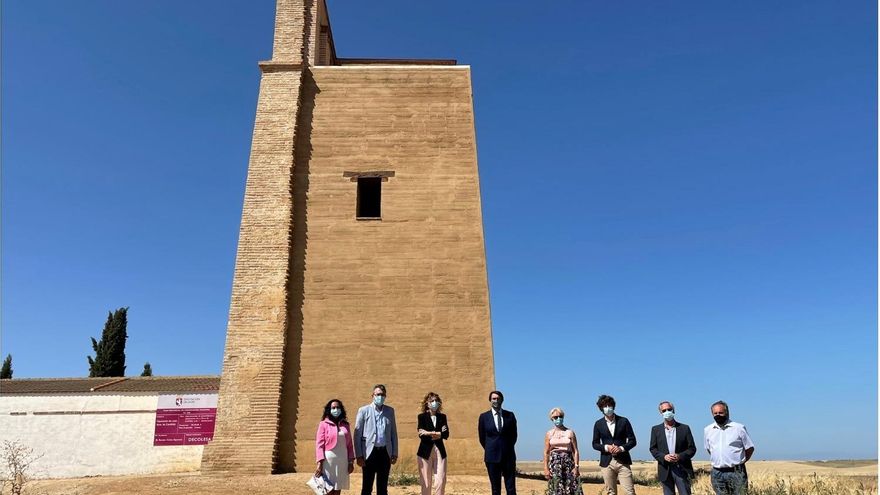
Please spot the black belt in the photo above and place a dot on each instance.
(732, 469)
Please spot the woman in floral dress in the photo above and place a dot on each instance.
(561, 457)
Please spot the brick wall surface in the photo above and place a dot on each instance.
(248, 408)
(294, 20)
(246, 431)
(402, 301)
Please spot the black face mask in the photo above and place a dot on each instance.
(721, 419)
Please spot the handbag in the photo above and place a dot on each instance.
(320, 485)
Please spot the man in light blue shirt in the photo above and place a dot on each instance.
(375, 442)
(729, 447)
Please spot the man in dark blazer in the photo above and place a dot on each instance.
(497, 429)
(613, 437)
(672, 444)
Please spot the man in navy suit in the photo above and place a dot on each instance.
(497, 429)
(613, 437)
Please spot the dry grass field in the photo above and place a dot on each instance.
(766, 478)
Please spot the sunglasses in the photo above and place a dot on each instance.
(556, 417)
(665, 410)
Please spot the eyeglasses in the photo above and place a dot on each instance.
(556, 417)
(665, 410)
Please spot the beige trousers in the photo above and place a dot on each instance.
(432, 467)
(617, 471)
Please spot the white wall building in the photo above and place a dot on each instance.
(98, 426)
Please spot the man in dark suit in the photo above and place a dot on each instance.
(497, 429)
(672, 444)
(613, 437)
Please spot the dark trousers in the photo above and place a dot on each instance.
(730, 482)
(377, 466)
(679, 478)
(505, 468)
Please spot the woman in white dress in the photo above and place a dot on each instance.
(333, 447)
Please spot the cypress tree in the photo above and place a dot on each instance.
(98, 366)
(6, 370)
(148, 370)
(109, 357)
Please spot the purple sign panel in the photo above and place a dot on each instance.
(185, 419)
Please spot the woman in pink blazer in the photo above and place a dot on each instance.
(333, 447)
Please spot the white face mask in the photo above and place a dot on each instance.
(335, 412)
(607, 410)
(668, 415)
(434, 405)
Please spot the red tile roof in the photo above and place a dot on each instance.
(158, 384)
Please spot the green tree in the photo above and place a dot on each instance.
(148, 370)
(109, 357)
(6, 370)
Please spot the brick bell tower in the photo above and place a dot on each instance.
(361, 257)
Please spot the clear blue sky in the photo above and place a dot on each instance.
(679, 198)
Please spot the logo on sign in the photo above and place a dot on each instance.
(178, 401)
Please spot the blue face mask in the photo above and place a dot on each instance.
(379, 400)
(607, 411)
(335, 412)
(558, 421)
(434, 405)
(668, 415)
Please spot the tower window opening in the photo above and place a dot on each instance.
(369, 197)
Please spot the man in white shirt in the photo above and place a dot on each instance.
(729, 447)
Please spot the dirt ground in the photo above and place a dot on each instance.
(283, 484)
(294, 484)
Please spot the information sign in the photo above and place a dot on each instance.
(185, 419)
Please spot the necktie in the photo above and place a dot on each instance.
(498, 421)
